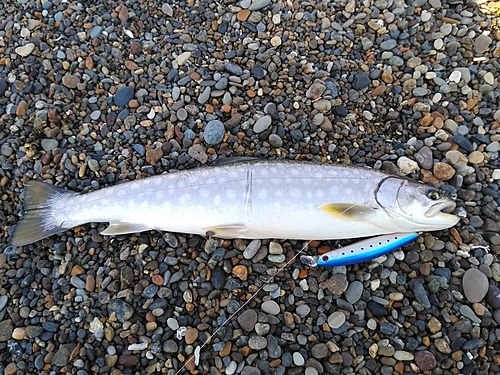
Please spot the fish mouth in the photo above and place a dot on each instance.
(441, 208)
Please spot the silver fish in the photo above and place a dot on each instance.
(251, 199)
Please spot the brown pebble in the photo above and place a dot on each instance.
(240, 272)
(19, 333)
(133, 103)
(135, 48)
(70, 81)
(128, 360)
(379, 90)
(476, 157)
(89, 62)
(387, 77)
(426, 120)
(243, 15)
(153, 155)
(123, 14)
(427, 176)
(195, 76)
(130, 65)
(438, 123)
(77, 270)
(336, 284)
(90, 283)
(22, 108)
(227, 350)
(191, 335)
(157, 280)
(425, 360)
(478, 309)
(443, 171)
(245, 351)
(10, 369)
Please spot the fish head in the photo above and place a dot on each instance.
(416, 207)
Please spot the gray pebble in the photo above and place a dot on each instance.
(49, 144)
(214, 132)
(205, 95)
(475, 284)
(354, 292)
(270, 307)
(262, 124)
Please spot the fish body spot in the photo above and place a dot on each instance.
(184, 198)
(262, 194)
(230, 194)
(217, 200)
(295, 193)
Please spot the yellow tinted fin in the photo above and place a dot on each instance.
(226, 231)
(348, 211)
(115, 229)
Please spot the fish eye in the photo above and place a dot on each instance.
(433, 194)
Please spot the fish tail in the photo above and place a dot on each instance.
(38, 220)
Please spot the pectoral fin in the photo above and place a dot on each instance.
(348, 211)
(227, 231)
(124, 228)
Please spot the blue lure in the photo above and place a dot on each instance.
(361, 251)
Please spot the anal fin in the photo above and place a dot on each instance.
(124, 228)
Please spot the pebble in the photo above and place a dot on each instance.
(25, 50)
(262, 124)
(336, 319)
(270, 307)
(214, 132)
(475, 284)
(124, 96)
(247, 320)
(354, 292)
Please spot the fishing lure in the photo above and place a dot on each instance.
(361, 251)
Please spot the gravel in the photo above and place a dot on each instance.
(91, 96)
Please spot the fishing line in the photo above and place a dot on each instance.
(195, 356)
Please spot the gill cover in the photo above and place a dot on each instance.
(414, 206)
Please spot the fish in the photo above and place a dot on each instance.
(247, 199)
(361, 251)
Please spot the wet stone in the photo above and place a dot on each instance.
(122, 309)
(319, 351)
(247, 320)
(270, 307)
(354, 292)
(475, 284)
(492, 297)
(233, 69)
(124, 96)
(361, 80)
(6, 329)
(262, 124)
(214, 132)
(258, 71)
(425, 360)
(218, 278)
(61, 357)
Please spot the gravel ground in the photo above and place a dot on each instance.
(92, 94)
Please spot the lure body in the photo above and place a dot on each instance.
(361, 251)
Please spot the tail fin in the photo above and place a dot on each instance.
(37, 221)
